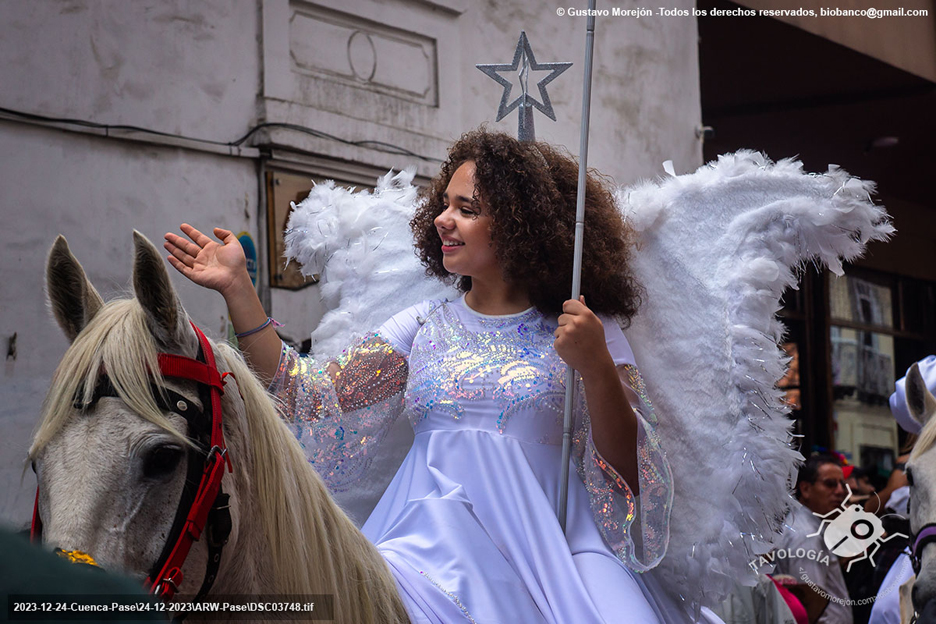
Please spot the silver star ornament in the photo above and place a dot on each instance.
(525, 62)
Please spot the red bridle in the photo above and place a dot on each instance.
(167, 579)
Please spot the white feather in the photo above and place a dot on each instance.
(717, 249)
(361, 244)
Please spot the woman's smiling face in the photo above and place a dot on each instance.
(465, 229)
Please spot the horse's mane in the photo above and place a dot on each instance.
(926, 439)
(315, 548)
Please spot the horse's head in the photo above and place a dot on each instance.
(118, 452)
(921, 472)
(114, 453)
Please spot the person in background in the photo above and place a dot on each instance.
(861, 487)
(820, 490)
(860, 575)
(768, 602)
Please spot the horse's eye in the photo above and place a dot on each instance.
(161, 462)
(909, 474)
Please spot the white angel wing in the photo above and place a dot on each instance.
(360, 243)
(716, 250)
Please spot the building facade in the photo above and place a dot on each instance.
(122, 115)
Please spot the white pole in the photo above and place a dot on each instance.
(577, 260)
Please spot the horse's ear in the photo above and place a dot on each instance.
(74, 300)
(164, 314)
(920, 401)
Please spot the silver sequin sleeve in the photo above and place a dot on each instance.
(340, 423)
(637, 528)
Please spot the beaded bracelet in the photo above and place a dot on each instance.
(249, 332)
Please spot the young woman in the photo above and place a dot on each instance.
(468, 524)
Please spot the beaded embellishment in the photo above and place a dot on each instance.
(451, 596)
(339, 424)
(636, 528)
(510, 361)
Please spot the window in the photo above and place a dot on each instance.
(850, 337)
(878, 326)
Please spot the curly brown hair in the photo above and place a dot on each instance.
(531, 192)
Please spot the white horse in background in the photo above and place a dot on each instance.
(921, 472)
(111, 475)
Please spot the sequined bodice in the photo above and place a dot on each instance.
(499, 374)
(483, 394)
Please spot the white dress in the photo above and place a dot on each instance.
(468, 523)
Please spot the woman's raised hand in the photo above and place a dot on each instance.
(223, 267)
(218, 266)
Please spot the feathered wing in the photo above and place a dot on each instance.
(361, 245)
(716, 250)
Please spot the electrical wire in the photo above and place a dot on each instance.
(379, 146)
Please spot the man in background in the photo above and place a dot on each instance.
(820, 489)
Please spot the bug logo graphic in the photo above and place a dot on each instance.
(853, 532)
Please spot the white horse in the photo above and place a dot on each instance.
(112, 467)
(921, 472)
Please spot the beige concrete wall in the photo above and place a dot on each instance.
(95, 192)
(645, 98)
